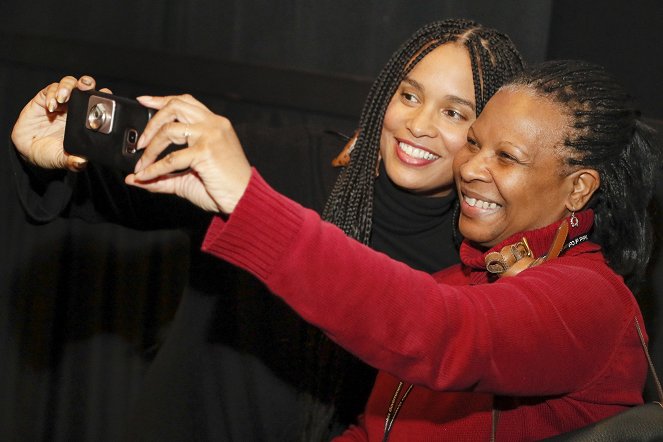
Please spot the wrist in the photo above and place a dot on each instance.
(228, 200)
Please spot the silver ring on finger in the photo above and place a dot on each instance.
(186, 134)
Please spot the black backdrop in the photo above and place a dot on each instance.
(83, 307)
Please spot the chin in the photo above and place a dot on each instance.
(480, 238)
(406, 181)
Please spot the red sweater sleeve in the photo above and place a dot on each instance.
(535, 334)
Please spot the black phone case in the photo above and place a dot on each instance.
(109, 149)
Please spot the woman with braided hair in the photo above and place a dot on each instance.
(535, 333)
(395, 193)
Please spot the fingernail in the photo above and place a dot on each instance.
(52, 105)
(62, 95)
(87, 81)
(139, 166)
(80, 165)
(141, 142)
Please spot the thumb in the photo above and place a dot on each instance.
(74, 163)
(45, 154)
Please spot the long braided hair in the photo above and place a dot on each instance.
(494, 60)
(606, 134)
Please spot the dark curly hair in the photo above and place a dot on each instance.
(606, 134)
(494, 60)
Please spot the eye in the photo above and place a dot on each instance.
(472, 144)
(507, 157)
(409, 98)
(454, 114)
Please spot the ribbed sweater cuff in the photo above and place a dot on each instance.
(259, 231)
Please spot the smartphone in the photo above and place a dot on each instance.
(105, 128)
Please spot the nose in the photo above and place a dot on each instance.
(421, 122)
(473, 166)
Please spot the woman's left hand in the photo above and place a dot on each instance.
(212, 172)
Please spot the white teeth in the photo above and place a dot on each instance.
(417, 153)
(480, 204)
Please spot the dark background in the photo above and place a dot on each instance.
(83, 307)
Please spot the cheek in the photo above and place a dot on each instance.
(460, 158)
(526, 201)
(392, 117)
(389, 126)
(455, 137)
(512, 186)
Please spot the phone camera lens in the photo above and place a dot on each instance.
(132, 136)
(130, 139)
(96, 116)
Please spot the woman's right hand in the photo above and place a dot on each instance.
(212, 171)
(39, 131)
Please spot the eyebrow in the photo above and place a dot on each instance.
(456, 99)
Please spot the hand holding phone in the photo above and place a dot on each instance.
(105, 128)
(212, 172)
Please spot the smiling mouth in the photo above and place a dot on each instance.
(480, 204)
(415, 152)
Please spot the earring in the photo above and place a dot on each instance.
(574, 220)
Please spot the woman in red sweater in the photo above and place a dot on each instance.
(464, 353)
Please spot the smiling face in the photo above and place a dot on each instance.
(510, 175)
(427, 120)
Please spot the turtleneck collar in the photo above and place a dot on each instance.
(404, 212)
(539, 240)
(415, 229)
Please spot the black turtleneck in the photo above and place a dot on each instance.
(414, 229)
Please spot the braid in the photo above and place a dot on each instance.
(606, 134)
(494, 59)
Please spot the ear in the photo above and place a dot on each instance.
(584, 183)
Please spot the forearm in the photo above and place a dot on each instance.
(95, 195)
(359, 297)
(43, 194)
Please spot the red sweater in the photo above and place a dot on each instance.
(556, 343)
